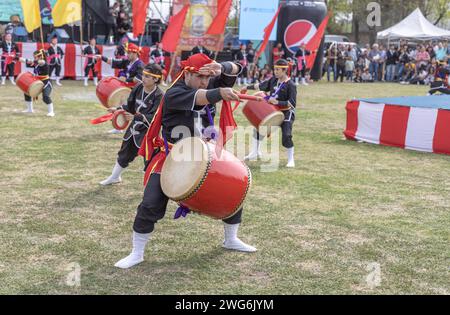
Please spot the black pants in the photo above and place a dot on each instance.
(286, 130)
(439, 86)
(127, 153)
(153, 208)
(340, 73)
(9, 69)
(57, 69)
(90, 68)
(45, 94)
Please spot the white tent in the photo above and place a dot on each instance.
(415, 26)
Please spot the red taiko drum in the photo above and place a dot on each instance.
(263, 114)
(112, 92)
(195, 177)
(29, 84)
(120, 120)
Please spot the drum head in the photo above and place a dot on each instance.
(185, 168)
(120, 120)
(35, 88)
(119, 97)
(275, 119)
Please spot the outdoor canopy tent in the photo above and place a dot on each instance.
(415, 26)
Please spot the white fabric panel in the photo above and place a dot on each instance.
(370, 116)
(107, 70)
(79, 62)
(63, 47)
(27, 52)
(421, 128)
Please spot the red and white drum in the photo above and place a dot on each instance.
(29, 84)
(120, 120)
(195, 177)
(262, 114)
(112, 92)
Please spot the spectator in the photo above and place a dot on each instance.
(111, 24)
(374, 58)
(422, 57)
(251, 61)
(241, 57)
(331, 62)
(340, 61)
(349, 65)
(366, 76)
(278, 52)
(300, 55)
(440, 51)
(123, 27)
(392, 59)
(403, 60)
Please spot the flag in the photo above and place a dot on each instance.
(314, 42)
(66, 12)
(139, 15)
(217, 27)
(31, 14)
(267, 32)
(227, 124)
(172, 34)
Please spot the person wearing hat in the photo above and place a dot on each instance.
(41, 71)
(142, 104)
(131, 67)
(283, 93)
(91, 53)
(201, 84)
(10, 54)
(55, 55)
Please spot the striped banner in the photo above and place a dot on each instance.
(413, 128)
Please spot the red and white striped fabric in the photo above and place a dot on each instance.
(414, 128)
(73, 64)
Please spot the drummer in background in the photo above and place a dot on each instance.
(92, 53)
(55, 55)
(283, 93)
(157, 56)
(142, 103)
(10, 54)
(130, 68)
(41, 71)
(204, 82)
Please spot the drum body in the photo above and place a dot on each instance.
(120, 120)
(194, 176)
(112, 92)
(263, 114)
(29, 84)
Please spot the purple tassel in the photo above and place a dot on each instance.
(181, 211)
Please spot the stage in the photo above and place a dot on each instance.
(420, 123)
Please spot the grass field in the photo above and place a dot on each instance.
(322, 228)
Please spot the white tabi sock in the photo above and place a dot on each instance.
(231, 240)
(29, 107)
(290, 153)
(137, 254)
(115, 176)
(51, 113)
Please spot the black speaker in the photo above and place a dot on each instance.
(223, 56)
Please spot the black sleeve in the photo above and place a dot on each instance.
(149, 115)
(60, 52)
(178, 98)
(136, 74)
(30, 64)
(292, 96)
(265, 86)
(85, 51)
(119, 63)
(226, 79)
(16, 48)
(130, 106)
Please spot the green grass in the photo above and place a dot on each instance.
(317, 227)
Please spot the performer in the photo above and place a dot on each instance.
(442, 79)
(185, 104)
(131, 67)
(241, 56)
(55, 55)
(142, 103)
(41, 71)
(282, 93)
(300, 55)
(91, 53)
(10, 53)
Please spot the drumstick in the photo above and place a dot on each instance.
(250, 97)
(102, 119)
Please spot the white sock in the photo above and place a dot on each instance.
(86, 81)
(290, 153)
(115, 175)
(3, 80)
(256, 149)
(95, 81)
(232, 241)
(296, 81)
(11, 79)
(50, 108)
(29, 107)
(137, 253)
(245, 81)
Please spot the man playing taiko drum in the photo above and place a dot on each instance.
(188, 103)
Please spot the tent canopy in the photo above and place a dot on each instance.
(415, 26)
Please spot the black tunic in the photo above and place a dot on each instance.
(180, 109)
(287, 95)
(58, 51)
(144, 103)
(131, 71)
(8, 48)
(91, 51)
(40, 70)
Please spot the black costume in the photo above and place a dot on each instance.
(179, 110)
(55, 55)
(200, 50)
(146, 104)
(42, 72)
(90, 61)
(130, 70)
(300, 56)
(286, 96)
(241, 57)
(10, 54)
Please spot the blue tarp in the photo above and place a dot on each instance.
(435, 101)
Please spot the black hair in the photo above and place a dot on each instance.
(281, 62)
(155, 69)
